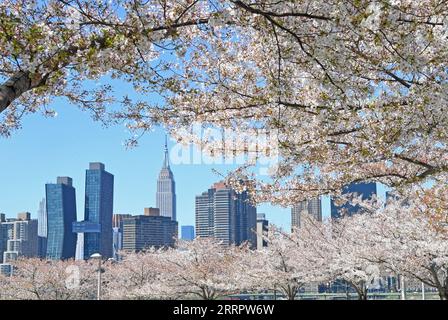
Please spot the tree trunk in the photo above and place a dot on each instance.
(362, 295)
(443, 293)
(291, 292)
(361, 290)
(13, 88)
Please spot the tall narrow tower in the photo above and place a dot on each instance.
(61, 213)
(99, 199)
(166, 189)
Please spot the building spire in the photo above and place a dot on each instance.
(166, 163)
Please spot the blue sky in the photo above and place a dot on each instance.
(63, 146)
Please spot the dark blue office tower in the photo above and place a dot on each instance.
(61, 213)
(98, 211)
(365, 190)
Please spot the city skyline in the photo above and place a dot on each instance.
(57, 151)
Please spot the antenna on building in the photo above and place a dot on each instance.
(166, 162)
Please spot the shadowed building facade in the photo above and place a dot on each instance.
(61, 213)
(98, 211)
(149, 230)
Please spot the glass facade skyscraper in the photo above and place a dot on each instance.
(365, 190)
(61, 213)
(98, 210)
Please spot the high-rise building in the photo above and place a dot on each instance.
(365, 190)
(144, 231)
(225, 215)
(61, 213)
(187, 233)
(3, 235)
(98, 211)
(204, 214)
(117, 233)
(42, 228)
(6, 269)
(79, 254)
(262, 228)
(312, 207)
(166, 189)
(21, 237)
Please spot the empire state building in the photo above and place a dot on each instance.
(166, 189)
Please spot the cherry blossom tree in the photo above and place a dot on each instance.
(204, 268)
(341, 251)
(414, 237)
(50, 280)
(407, 236)
(4, 284)
(352, 90)
(283, 265)
(353, 258)
(138, 276)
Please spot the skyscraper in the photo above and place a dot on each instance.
(187, 233)
(262, 227)
(42, 228)
(42, 219)
(98, 210)
(204, 208)
(21, 237)
(312, 207)
(117, 233)
(365, 190)
(149, 230)
(3, 235)
(225, 215)
(61, 213)
(166, 189)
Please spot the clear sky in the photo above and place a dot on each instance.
(63, 146)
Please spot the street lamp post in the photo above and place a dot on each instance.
(423, 291)
(403, 287)
(99, 258)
